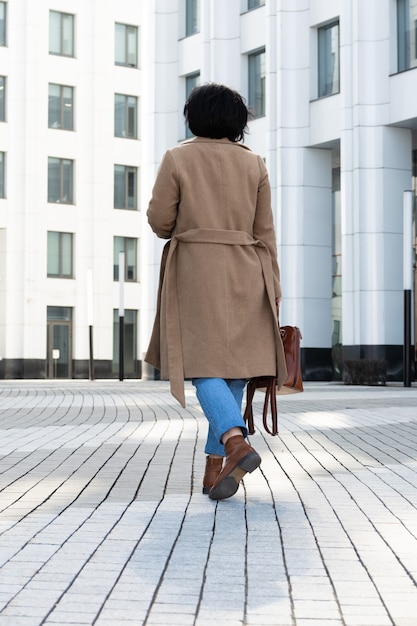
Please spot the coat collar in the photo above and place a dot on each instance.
(224, 140)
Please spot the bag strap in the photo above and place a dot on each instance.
(271, 399)
(248, 415)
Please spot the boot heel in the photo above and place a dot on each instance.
(240, 459)
(251, 462)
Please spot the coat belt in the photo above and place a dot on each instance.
(173, 326)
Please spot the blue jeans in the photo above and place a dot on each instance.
(221, 401)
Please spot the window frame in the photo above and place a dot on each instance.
(3, 91)
(61, 251)
(128, 133)
(127, 169)
(117, 250)
(127, 28)
(2, 174)
(324, 64)
(191, 81)
(255, 4)
(406, 37)
(3, 23)
(61, 34)
(257, 83)
(192, 17)
(62, 105)
(62, 182)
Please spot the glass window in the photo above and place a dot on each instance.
(59, 313)
(60, 247)
(192, 17)
(126, 45)
(407, 34)
(60, 180)
(125, 183)
(254, 4)
(2, 98)
(2, 24)
(256, 83)
(61, 33)
(60, 107)
(190, 82)
(130, 364)
(125, 116)
(129, 247)
(2, 174)
(328, 59)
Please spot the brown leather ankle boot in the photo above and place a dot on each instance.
(240, 459)
(213, 468)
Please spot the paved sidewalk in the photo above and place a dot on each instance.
(103, 520)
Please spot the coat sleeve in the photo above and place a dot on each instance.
(163, 206)
(263, 226)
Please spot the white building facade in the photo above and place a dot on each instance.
(92, 96)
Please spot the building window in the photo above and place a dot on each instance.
(2, 174)
(256, 83)
(254, 4)
(61, 33)
(192, 17)
(328, 59)
(129, 247)
(125, 187)
(126, 45)
(61, 107)
(407, 34)
(2, 24)
(2, 98)
(190, 82)
(125, 116)
(60, 180)
(130, 333)
(60, 252)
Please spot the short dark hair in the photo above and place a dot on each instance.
(216, 111)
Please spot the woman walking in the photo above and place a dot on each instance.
(219, 291)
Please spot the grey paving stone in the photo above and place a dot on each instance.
(102, 519)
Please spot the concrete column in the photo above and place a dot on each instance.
(375, 170)
(160, 125)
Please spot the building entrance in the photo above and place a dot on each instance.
(59, 343)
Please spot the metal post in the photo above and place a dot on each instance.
(408, 281)
(90, 323)
(121, 314)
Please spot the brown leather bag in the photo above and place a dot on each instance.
(291, 337)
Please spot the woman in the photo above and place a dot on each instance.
(216, 320)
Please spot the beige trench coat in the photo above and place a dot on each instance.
(216, 312)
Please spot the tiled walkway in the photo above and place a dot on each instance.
(103, 520)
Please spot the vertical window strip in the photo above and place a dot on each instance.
(192, 18)
(2, 98)
(2, 175)
(328, 60)
(3, 29)
(256, 82)
(407, 34)
(191, 81)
